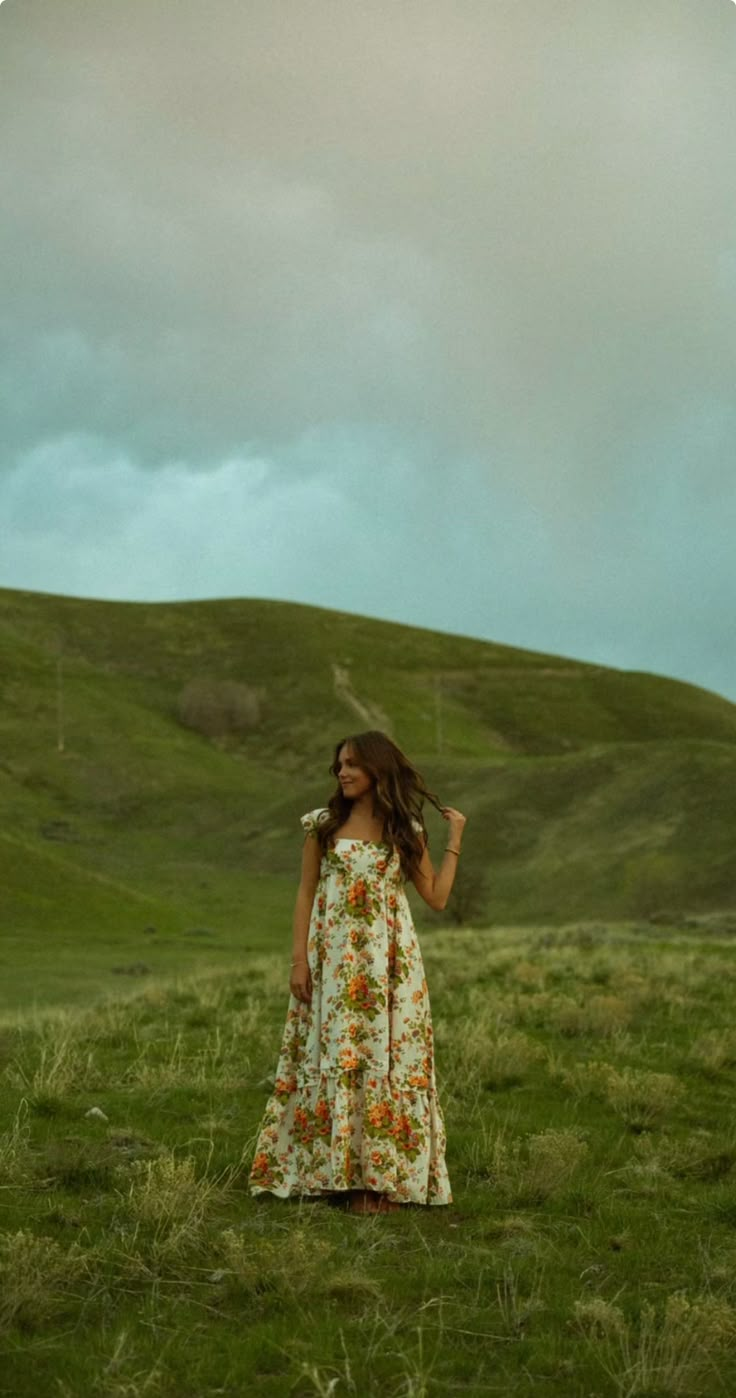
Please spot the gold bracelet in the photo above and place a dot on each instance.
(451, 851)
(299, 959)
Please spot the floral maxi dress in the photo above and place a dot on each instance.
(355, 1104)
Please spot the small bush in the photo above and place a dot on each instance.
(601, 1015)
(607, 1014)
(714, 1051)
(528, 973)
(531, 1170)
(468, 900)
(641, 1097)
(485, 1053)
(166, 1192)
(15, 1146)
(38, 1278)
(696, 1157)
(299, 1264)
(219, 708)
(507, 1058)
(638, 1096)
(669, 1353)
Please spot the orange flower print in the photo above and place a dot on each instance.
(357, 894)
(349, 1059)
(406, 1138)
(380, 1114)
(419, 1080)
(417, 997)
(360, 994)
(360, 902)
(322, 1113)
(376, 1157)
(260, 1167)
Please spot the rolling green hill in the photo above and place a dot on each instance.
(590, 792)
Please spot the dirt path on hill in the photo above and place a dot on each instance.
(371, 714)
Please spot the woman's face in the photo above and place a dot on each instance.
(352, 778)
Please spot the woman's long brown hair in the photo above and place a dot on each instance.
(398, 795)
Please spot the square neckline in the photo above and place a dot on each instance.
(353, 840)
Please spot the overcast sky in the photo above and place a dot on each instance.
(424, 311)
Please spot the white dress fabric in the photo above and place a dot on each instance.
(355, 1102)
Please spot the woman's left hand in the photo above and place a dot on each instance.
(455, 817)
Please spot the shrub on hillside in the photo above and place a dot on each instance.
(219, 708)
(467, 900)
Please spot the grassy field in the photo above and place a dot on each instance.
(587, 1076)
(133, 845)
(582, 1005)
(589, 792)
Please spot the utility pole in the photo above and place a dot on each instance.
(59, 699)
(438, 712)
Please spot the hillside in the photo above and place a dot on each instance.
(590, 792)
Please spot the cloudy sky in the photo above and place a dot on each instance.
(421, 310)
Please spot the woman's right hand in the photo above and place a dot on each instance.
(300, 983)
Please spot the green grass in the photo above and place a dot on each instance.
(589, 792)
(587, 1077)
(585, 1050)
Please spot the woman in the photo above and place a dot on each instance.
(354, 1110)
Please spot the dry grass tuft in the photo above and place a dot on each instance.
(165, 1191)
(168, 1206)
(640, 1097)
(15, 1146)
(674, 1353)
(300, 1264)
(530, 1170)
(607, 1014)
(713, 1051)
(485, 1052)
(38, 1278)
(696, 1157)
(600, 1015)
(528, 973)
(54, 1065)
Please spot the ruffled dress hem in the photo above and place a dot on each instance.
(353, 1132)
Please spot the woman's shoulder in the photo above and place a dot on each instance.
(311, 819)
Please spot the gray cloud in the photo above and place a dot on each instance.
(458, 280)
